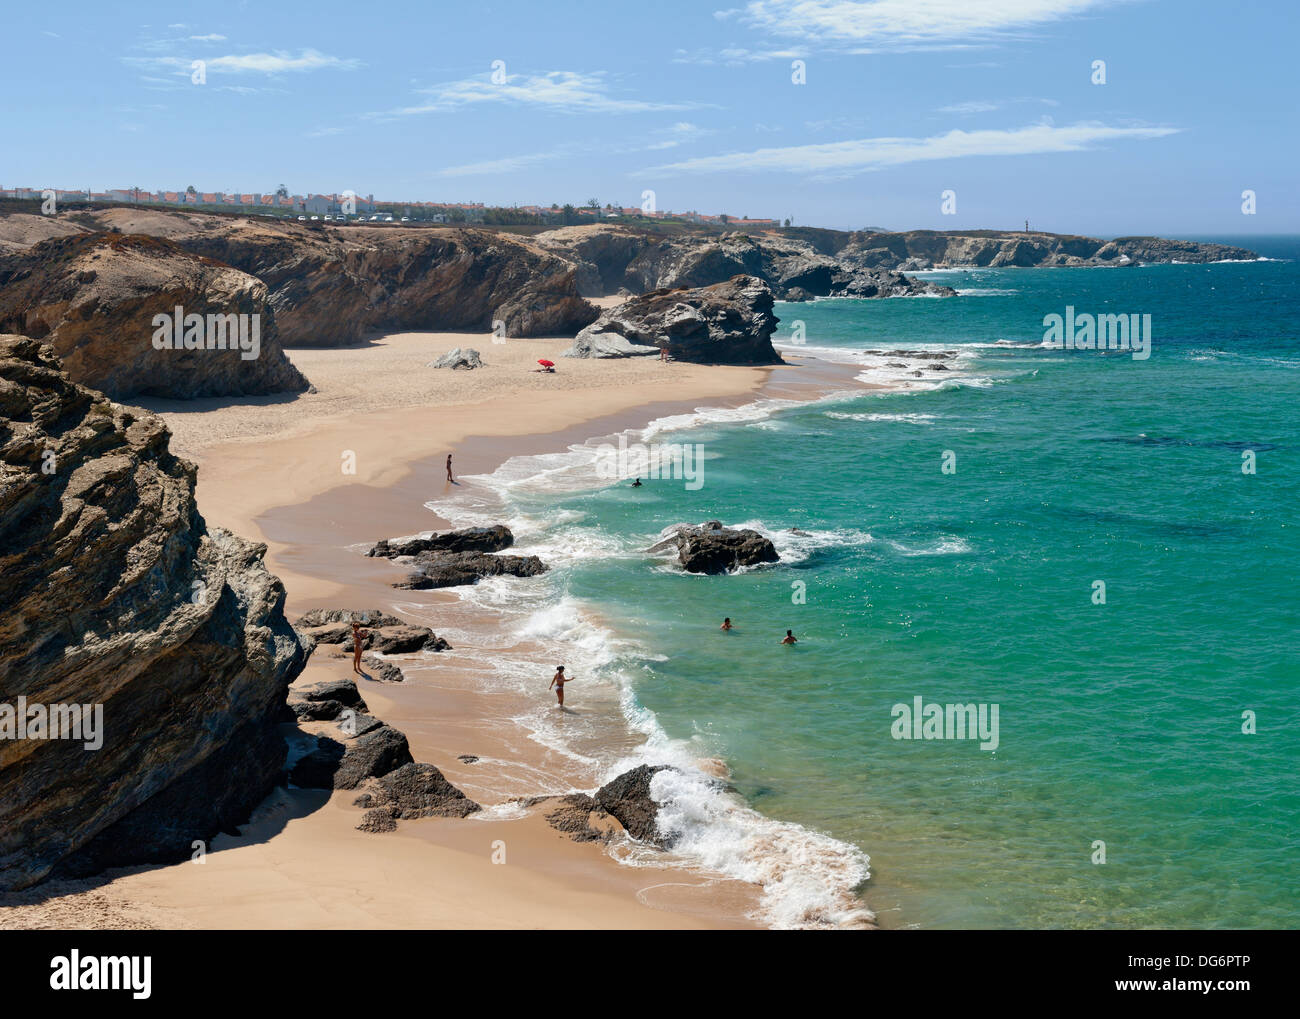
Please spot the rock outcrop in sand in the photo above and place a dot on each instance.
(455, 558)
(727, 323)
(118, 598)
(93, 297)
(712, 548)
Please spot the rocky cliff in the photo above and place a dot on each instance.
(118, 598)
(331, 286)
(94, 298)
(611, 259)
(726, 323)
(933, 249)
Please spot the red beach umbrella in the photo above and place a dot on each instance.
(545, 363)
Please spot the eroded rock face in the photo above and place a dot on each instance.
(727, 323)
(613, 258)
(116, 594)
(331, 287)
(712, 548)
(94, 298)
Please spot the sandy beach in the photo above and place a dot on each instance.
(314, 477)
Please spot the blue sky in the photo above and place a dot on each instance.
(902, 100)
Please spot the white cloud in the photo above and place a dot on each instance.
(989, 105)
(973, 106)
(207, 38)
(845, 159)
(909, 23)
(275, 63)
(562, 91)
(252, 63)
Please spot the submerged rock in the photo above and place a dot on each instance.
(712, 548)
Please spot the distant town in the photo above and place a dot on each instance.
(348, 207)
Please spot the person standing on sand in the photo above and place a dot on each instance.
(449, 477)
(726, 624)
(790, 638)
(558, 681)
(358, 635)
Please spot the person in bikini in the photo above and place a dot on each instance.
(558, 681)
(358, 635)
(790, 638)
(449, 477)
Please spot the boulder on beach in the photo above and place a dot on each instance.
(389, 636)
(457, 358)
(726, 323)
(332, 765)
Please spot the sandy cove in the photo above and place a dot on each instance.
(272, 469)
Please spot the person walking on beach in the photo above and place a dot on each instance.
(358, 635)
(726, 624)
(558, 681)
(449, 477)
(790, 638)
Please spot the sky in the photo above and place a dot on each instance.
(834, 113)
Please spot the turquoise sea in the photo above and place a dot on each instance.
(1119, 722)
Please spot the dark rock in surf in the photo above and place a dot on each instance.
(453, 569)
(628, 799)
(496, 538)
(713, 549)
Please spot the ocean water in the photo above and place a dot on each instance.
(1120, 722)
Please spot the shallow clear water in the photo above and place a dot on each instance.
(1118, 722)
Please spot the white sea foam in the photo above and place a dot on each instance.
(911, 419)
